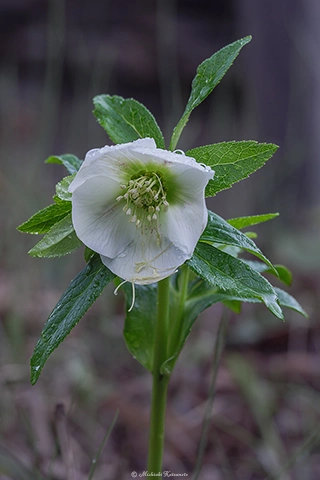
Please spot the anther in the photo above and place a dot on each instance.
(119, 198)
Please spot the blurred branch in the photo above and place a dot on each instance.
(218, 348)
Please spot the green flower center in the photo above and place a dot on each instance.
(145, 196)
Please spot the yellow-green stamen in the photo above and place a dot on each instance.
(145, 197)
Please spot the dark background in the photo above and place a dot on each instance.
(55, 56)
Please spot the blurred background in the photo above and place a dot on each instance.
(55, 56)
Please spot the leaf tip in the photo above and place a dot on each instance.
(35, 371)
(246, 39)
(20, 228)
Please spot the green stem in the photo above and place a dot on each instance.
(176, 324)
(160, 382)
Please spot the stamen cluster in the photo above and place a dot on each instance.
(145, 196)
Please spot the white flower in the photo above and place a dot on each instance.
(141, 208)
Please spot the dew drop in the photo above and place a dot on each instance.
(179, 152)
(122, 255)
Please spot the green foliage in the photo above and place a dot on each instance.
(60, 240)
(71, 162)
(62, 188)
(76, 300)
(283, 273)
(218, 231)
(42, 221)
(242, 222)
(233, 276)
(56, 222)
(209, 74)
(88, 253)
(286, 300)
(140, 323)
(232, 161)
(126, 120)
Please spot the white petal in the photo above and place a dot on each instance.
(144, 261)
(92, 155)
(109, 161)
(98, 219)
(159, 156)
(191, 182)
(187, 216)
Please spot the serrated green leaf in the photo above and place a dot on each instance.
(42, 221)
(76, 300)
(242, 222)
(284, 273)
(232, 161)
(219, 231)
(62, 188)
(140, 323)
(60, 240)
(286, 300)
(209, 74)
(126, 120)
(233, 276)
(71, 162)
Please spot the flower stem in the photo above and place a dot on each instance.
(160, 381)
(176, 325)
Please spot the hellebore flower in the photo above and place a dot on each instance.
(140, 207)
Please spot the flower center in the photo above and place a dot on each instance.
(145, 197)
